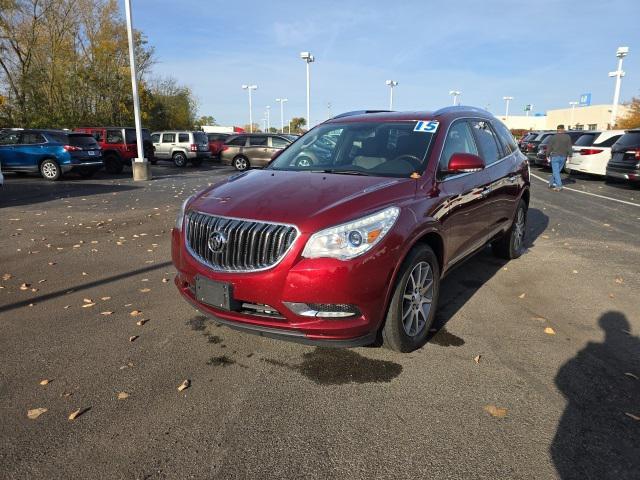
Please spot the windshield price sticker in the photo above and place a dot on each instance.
(426, 127)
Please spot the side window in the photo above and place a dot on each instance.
(508, 141)
(487, 141)
(115, 136)
(155, 138)
(277, 142)
(459, 140)
(183, 138)
(9, 138)
(168, 137)
(258, 141)
(32, 138)
(238, 141)
(98, 135)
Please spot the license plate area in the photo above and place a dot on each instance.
(213, 293)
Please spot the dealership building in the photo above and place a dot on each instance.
(591, 117)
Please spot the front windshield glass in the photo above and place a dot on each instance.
(392, 149)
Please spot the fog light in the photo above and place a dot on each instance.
(323, 310)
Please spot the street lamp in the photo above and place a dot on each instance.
(308, 58)
(268, 118)
(392, 84)
(282, 101)
(619, 73)
(507, 100)
(573, 109)
(455, 94)
(250, 88)
(140, 165)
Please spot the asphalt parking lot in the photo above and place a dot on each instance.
(533, 370)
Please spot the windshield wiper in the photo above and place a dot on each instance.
(345, 172)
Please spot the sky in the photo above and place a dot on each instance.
(546, 53)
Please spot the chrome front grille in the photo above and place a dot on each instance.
(241, 246)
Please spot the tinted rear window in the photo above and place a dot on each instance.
(131, 135)
(200, 137)
(631, 139)
(83, 141)
(585, 140)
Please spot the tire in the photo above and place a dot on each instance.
(179, 159)
(241, 163)
(419, 310)
(304, 162)
(113, 164)
(512, 245)
(50, 170)
(196, 162)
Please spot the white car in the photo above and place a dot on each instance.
(592, 152)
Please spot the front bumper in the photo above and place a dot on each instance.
(364, 282)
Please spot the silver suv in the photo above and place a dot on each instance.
(181, 146)
(252, 150)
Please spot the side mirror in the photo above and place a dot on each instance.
(465, 163)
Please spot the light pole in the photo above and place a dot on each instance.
(507, 100)
(392, 84)
(250, 88)
(573, 109)
(455, 94)
(528, 108)
(140, 166)
(268, 118)
(619, 73)
(308, 58)
(282, 101)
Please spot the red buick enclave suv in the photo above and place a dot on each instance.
(345, 236)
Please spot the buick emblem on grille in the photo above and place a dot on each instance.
(217, 241)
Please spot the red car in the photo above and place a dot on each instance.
(216, 142)
(346, 235)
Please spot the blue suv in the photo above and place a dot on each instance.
(49, 152)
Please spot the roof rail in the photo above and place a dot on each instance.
(459, 108)
(360, 112)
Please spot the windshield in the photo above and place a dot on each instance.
(393, 149)
(586, 140)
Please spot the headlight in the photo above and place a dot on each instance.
(351, 239)
(180, 216)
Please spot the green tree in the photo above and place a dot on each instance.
(204, 120)
(296, 124)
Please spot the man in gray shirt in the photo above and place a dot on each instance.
(558, 149)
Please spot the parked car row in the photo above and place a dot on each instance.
(613, 154)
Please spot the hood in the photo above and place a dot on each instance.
(305, 199)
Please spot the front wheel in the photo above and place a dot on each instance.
(240, 163)
(414, 302)
(511, 245)
(50, 170)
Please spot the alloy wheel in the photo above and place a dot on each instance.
(49, 170)
(241, 163)
(417, 299)
(518, 230)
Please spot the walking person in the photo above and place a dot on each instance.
(558, 150)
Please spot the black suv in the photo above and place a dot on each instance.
(625, 157)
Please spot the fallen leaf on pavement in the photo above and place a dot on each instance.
(629, 374)
(184, 385)
(575, 271)
(45, 381)
(105, 298)
(145, 290)
(87, 305)
(619, 280)
(7, 276)
(477, 358)
(522, 295)
(495, 411)
(35, 413)
(76, 413)
(123, 395)
(606, 224)
(165, 280)
(106, 313)
(133, 338)
(87, 300)
(25, 286)
(67, 306)
(135, 313)
(141, 322)
(611, 295)
(631, 415)
(549, 331)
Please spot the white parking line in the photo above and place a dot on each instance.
(589, 193)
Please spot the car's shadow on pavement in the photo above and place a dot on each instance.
(598, 435)
(466, 279)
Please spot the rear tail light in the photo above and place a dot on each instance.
(71, 148)
(589, 151)
(194, 147)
